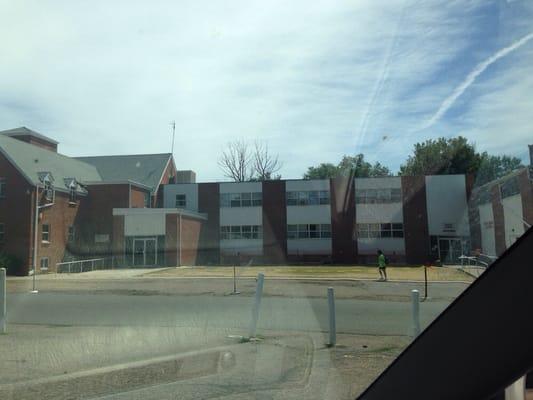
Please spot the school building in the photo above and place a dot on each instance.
(143, 212)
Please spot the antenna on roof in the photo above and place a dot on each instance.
(173, 123)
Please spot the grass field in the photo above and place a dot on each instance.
(325, 272)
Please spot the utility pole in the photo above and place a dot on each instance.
(173, 124)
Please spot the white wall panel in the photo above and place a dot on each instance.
(446, 204)
(307, 185)
(189, 190)
(241, 216)
(373, 213)
(317, 214)
(309, 246)
(240, 187)
(242, 246)
(513, 217)
(149, 224)
(392, 182)
(486, 221)
(387, 245)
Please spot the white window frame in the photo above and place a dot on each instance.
(241, 199)
(308, 198)
(47, 233)
(46, 261)
(378, 196)
(182, 202)
(308, 231)
(238, 232)
(380, 230)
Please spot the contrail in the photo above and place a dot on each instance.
(471, 77)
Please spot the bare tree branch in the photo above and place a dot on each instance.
(236, 161)
(265, 165)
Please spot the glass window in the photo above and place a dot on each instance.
(292, 198)
(235, 232)
(2, 232)
(257, 199)
(45, 234)
(235, 199)
(246, 199)
(313, 198)
(325, 231)
(257, 232)
(224, 200)
(314, 231)
(224, 232)
(292, 231)
(324, 197)
(396, 195)
(302, 198)
(181, 201)
(70, 234)
(72, 195)
(44, 263)
(2, 187)
(247, 232)
(303, 231)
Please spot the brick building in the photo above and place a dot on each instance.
(412, 219)
(63, 207)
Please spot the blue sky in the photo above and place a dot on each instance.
(315, 80)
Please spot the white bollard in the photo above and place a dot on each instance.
(257, 304)
(415, 300)
(3, 307)
(517, 391)
(332, 323)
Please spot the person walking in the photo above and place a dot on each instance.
(382, 266)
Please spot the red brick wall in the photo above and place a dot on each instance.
(16, 215)
(37, 142)
(208, 202)
(137, 197)
(171, 240)
(96, 217)
(415, 219)
(59, 217)
(499, 221)
(190, 238)
(342, 194)
(274, 222)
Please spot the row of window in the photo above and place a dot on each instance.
(309, 231)
(374, 231)
(378, 196)
(308, 198)
(241, 232)
(247, 199)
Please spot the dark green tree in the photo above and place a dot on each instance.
(494, 167)
(348, 166)
(442, 156)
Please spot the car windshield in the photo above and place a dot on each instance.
(250, 199)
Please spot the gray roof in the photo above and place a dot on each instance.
(32, 161)
(23, 131)
(146, 169)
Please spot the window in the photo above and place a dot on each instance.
(101, 238)
(309, 231)
(71, 234)
(2, 187)
(247, 199)
(44, 263)
(241, 232)
(48, 191)
(45, 236)
(181, 201)
(378, 196)
(146, 200)
(308, 198)
(2, 233)
(510, 187)
(72, 195)
(383, 230)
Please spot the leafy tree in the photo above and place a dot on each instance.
(322, 171)
(494, 167)
(349, 165)
(442, 156)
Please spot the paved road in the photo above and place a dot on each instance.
(277, 313)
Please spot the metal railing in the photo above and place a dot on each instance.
(79, 266)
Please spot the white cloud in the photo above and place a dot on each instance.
(315, 79)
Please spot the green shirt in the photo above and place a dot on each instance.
(381, 261)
